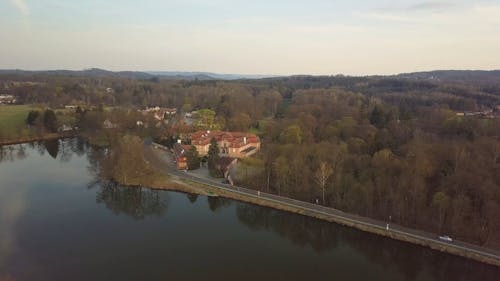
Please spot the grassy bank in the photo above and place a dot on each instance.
(13, 128)
(13, 122)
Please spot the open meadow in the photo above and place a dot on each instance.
(12, 120)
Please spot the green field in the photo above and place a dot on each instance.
(12, 120)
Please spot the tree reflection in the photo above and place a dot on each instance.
(52, 147)
(300, 230)
(216, 203)
(21, 152)
(192, 197)
(136, 202)
(322, 236)
(66, 150)
(13, 152)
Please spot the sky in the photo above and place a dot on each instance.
(280, 37)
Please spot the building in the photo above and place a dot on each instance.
(71, 107)
(231, 144)
(107, 124)
(65, 128)
(159, 113)
(180, 155)
(7, 99)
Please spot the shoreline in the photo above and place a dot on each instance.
(51, 136)
(392, 234)
(373, 226)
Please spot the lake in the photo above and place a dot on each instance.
(59, 222)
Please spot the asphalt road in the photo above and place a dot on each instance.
(165, 158)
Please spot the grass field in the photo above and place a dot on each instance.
(12, 120)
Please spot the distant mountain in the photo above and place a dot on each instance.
(92, 72)
(96, 72)
(205, 75)
(475, 77)
(464, 76)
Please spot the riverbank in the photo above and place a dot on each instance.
(396, 232)
(374, 229)
(50, 136)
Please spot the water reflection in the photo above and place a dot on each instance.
(413, 261)
(10, 153)
(55, 230)
(52, 147)
(64, 148)
(216, 203)
(12, 207)
(135, 202)
(192, 197)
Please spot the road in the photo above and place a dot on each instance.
(164, 158)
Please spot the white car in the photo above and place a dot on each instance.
(445, 238)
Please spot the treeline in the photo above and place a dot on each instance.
(255, 98)
(433, 171)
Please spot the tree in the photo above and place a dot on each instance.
(205, 118)
(321, 176)
(213, 158)
(193, 158)
(32, 117)
(50, 120)
(126, 163)
(282, 170)
(292, 134)
(187, 108)
(441, 202)
(377, 117)
(240, 122)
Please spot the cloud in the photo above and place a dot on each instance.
(21, 6)
(431, 6)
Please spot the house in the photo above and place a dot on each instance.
(159, 113)
(170, 111)
(180, 155)
(231, 144)
(107, 124)
(65, 128)
(71, 107)
(7, 99)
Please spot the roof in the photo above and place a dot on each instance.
(180, 149)
(234, 139)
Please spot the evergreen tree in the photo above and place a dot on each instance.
(50, 121)
(193, 158)
(377, 117)
(32, 116)
(213, 158)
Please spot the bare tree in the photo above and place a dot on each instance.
(322, 175)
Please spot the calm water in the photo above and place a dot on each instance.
(58, 223)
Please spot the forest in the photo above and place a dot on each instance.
(401, 149)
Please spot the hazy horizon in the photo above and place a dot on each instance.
(294, 37)
(194, 72)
